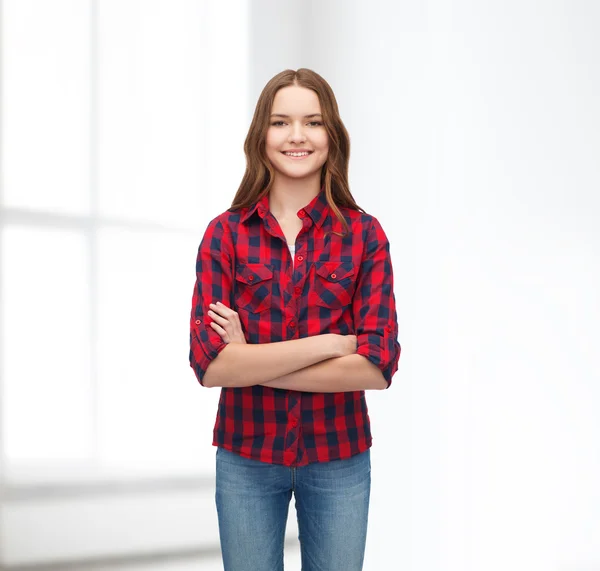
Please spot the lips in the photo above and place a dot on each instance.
(299, 154)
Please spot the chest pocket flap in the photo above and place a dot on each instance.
(335, 271)
(253, 273)
(333, 285)
(254, 287)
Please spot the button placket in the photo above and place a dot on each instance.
(297, 286)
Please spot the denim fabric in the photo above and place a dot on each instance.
(332, 505)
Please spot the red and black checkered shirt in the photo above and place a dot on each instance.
(335, 284)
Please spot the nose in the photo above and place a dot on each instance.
(297, 133)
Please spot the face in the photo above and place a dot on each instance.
(297, 141)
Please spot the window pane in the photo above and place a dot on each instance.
(46, 409)
(46, 104)
(228, 101)
(154, 415)
(173, 112)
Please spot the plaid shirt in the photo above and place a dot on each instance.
(334, 285)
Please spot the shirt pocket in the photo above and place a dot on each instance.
(253, 287)
(333, 284)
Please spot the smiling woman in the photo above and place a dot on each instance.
(296, 136)
(312, 325)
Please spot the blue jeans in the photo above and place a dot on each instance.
(332, 505)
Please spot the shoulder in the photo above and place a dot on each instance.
(228, 218)
(219, 232)
(225, 222)
(362, 222)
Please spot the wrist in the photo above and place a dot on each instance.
(336, 346)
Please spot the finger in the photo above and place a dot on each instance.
(233, 316)
(216, 317)
(222, 309)
(214, 307)
(234, 319)
(219, 310)
(220, 331)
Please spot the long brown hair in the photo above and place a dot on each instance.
(259, 175)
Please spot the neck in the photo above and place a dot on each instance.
(288, 195)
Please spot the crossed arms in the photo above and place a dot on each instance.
(320, 363)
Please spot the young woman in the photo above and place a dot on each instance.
(293, 315)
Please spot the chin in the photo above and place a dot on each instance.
(296, 174)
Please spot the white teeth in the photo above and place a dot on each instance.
(296, 154)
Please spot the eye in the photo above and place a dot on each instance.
(277, 123)
(316, 123)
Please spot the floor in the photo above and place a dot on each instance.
(291, 563)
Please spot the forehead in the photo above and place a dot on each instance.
(296, 100)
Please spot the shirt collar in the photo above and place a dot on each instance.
(317, 208)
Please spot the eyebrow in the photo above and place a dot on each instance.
(287, 116)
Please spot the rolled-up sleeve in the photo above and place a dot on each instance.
(374, 305)
(213, 283)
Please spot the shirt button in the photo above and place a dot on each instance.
(302, 214)
(333, 276)
(250, 278)
(297, 290)
(292, 324)
(198, 322)
(294, 421)
(300, 258)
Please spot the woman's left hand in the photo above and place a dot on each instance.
(226, 323)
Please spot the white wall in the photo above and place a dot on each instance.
(474, 132)
(112, 139)
(474, 141)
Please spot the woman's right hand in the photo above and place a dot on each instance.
(226, 322)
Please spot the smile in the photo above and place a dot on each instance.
(296, 156)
